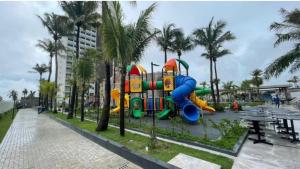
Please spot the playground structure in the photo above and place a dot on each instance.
(179, 93)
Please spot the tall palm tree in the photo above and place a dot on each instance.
(166, 37)
(181, 44)
(25, 91)
(126, 42)
(257, 79)
(13, 94)
(49, 46)
(85, 70)
(58, 26)
(82, 15)
(218, 52)
(286, 31)
(211, 37)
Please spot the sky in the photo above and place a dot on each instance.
(20, 29)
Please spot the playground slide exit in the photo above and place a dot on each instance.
(185, 85)
(201, 103)
(115, 94)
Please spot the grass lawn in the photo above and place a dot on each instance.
(5, 122)
(164, 151)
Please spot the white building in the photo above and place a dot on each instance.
(87, 40)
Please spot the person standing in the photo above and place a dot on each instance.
(277, 101)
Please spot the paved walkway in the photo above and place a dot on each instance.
(35, 141)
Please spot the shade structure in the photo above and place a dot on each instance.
(171, 65)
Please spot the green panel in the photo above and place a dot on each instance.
(183, 63)
(146, 85)
(159, 85)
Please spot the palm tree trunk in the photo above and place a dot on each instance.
(103, 123)
(122, 95)
(82, 102)
(56, 77)
(212, 83)
(74, 87)
(73, 97)
(217, 82)
(166, 58)
(97, 99)
(50, 69)
(39, 91)
(76, 102)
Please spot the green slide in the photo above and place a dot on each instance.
(137, 114)
(136, 107)
(163, 115)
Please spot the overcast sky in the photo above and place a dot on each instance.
(249, 22)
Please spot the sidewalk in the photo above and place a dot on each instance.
(35, 141)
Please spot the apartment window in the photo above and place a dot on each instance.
(93, 46)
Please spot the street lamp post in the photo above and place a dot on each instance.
(152, 89)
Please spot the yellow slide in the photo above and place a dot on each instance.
(115, 94)
(201, 103)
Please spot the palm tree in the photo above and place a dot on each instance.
(58, 26)
(294, 80)
(14, 95)
(212, 38)
(166, 38)
(286, 31)
(257, 79)
(49, 46)
(25, 91)
(82, 15)
(47, 90)
(203, 84)
(40, 69)
(97, 58)
(246, 87)
(230, 89)
(126, 42)
(181, 44)
(218, 52)
(85, 70)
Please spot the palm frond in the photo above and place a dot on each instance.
(281, 63)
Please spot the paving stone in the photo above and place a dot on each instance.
(188, 162)
(35, 141)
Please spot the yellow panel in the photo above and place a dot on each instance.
(168, 83)
(135, 85)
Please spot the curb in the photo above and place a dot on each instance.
(141, 160)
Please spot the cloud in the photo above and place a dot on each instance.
(249, 21)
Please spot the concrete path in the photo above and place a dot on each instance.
(35, 141)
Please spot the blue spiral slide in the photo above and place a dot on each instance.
(185, 85)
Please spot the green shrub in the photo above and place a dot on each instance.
(1, 116)
(219, 108)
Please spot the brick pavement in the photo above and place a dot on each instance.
(35, 141)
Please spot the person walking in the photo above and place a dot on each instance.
(277, 101)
